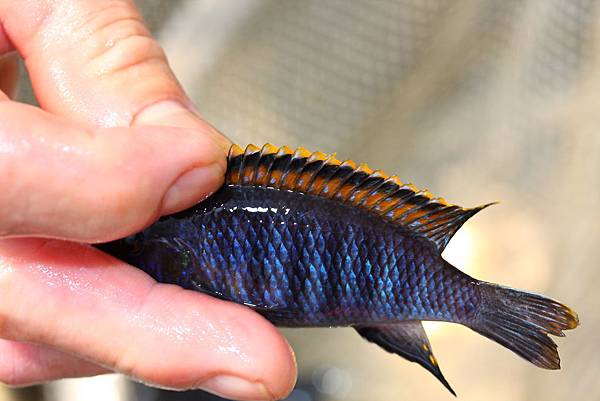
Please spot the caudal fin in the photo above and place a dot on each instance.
(521, 322)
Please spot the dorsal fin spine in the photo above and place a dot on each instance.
(346, 168)
(406, 217)
(430, 222)
(365, 197)
(295, 157)
(400, 202)
(250, 164)
(390, 195)
(300, 154)
(283, 151)
(307, 175)
(294, 183)
(437, 224)
(443, 220)
(242, 164)
(236, 153)
(266, 151)
(286, 169)
(270, 167)
(335, 164)
(309, 185)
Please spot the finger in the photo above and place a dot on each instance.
(9, 70)
(119, 317)
(63, 180)
(5, 43)
(23, 364)
(95, 60)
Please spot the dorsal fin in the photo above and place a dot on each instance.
(323, 175)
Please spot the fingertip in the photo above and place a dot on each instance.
(272, 379)
(180, 113)
(192, 187)
(236, 388)
(195, 164)
(273, 360)
(207, 174)
(229, 350)
(284, 380)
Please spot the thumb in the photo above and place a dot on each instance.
(95, 63)
(66, 180)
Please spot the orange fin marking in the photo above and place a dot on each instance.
(325, 176)
(354, 183)
(341, 186)
(377, 193)
(259, 177)
(236, 153)
(314, 163)
(313, 166)
(390, 189)
(249, 164)
(282, 158)
(369, 191)
(297, 163)
(267, 156)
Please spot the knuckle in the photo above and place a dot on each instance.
(121, 42)
(118, 212)
(126, 54)
(109, 35)
(125, 199)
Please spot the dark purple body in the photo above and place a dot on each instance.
(302, 260)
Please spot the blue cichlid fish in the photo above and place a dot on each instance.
(307, 240)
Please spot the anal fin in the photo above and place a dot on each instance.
(407, 339)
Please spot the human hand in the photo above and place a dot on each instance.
(114, 145)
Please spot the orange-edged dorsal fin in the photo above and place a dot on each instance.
(325, 176)
(234, 160)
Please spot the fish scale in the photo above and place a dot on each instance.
(366, 286)
(307, 240)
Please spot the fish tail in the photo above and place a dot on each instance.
(522, 321)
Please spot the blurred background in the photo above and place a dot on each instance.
(476, 100)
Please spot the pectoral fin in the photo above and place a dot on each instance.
(407, 339)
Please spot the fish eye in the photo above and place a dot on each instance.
(137, 247)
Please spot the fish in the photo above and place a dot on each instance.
(307, 240)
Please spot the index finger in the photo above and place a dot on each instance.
(115, 315)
